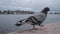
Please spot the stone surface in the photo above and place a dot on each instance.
(51, 28)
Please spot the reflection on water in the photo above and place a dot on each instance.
(7, 22)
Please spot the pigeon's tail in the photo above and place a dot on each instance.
(30, 19)
(19, 23)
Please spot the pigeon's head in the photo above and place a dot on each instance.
(46, 9)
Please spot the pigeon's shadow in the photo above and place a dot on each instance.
(28, 30)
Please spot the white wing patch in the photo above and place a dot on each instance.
(23, 21)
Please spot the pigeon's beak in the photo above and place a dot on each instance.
(49, 9)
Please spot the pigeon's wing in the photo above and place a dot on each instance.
(40, 17)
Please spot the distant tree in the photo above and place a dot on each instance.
(55, 13)
(18, 11)
(0, 11)
(4, 11)
(32, 12)
(12, 12)
(8, 12)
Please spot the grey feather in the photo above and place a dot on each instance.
(36, 18)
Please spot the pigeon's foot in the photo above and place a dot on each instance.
(42, 27)
(34, 28)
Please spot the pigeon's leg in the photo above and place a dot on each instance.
(34, 27)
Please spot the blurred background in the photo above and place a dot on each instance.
(12, 11)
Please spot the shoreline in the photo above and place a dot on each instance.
(51, 28)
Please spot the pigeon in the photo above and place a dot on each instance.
(35, 19)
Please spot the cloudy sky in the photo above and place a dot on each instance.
(33, 5)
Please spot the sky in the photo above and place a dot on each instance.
(32, 5)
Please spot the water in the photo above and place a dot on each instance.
(7, 22)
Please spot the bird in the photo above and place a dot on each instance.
(35, 19)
